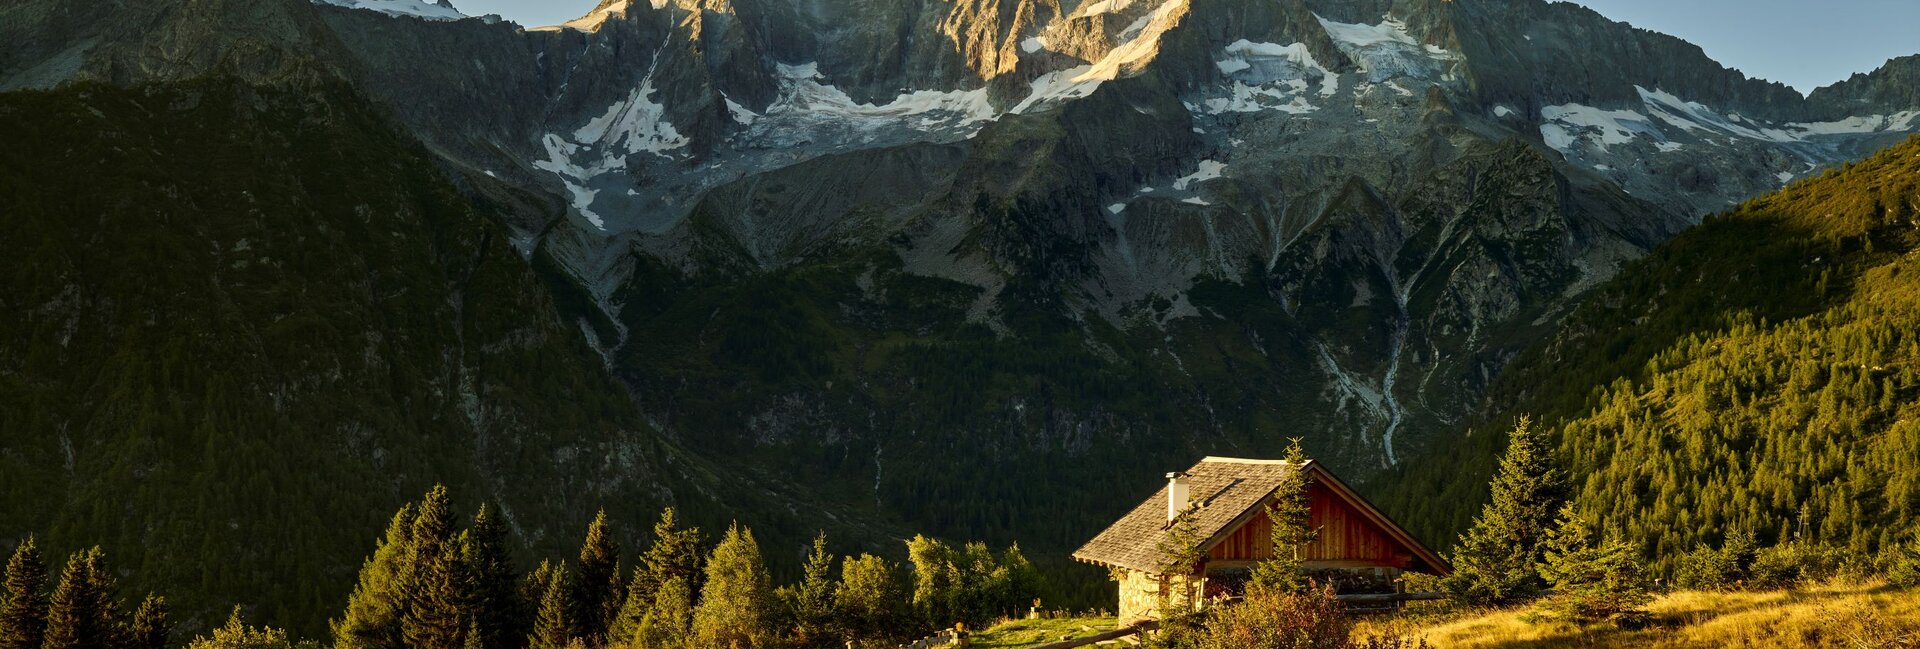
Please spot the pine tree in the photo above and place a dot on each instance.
(23, 611)
(734, 605)
(810, 603)
(1592, 582)
(668, 622)
(1290, 517)
(151, 628)
(870, 598)
(1496, 561)
(599, 595)
(551, 628)
(81, 615)
(499, 614)
(372, 618)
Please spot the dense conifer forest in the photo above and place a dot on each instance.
(1758, 378)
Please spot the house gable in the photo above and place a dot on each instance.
(1231, 498)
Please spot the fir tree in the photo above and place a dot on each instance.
(500, 616)
(734, 605)
(437, 614)
(598, 597)
(1592, 582)
(81, 615)
(1290, 517)
(869, 599)
(675, 553)
(1496, 560)
(551, 628)
(810, 603)
(372, 618)
(1180, 553)
(151, 628)
(23, 606)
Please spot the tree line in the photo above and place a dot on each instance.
(431, 584)
(1531, 545)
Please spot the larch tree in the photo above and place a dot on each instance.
(551, 627)
(235, 634)
(870, 599)
(372, 618)
(668, 623)
(1496, 561)
(23, 611)
(935, 580)
(151, 628)
(735, 605)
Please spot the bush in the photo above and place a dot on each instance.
(1903, 565)
(1725, 568)
(1272, 618)
(1793, 564)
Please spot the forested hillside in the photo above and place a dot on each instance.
(1760, 372)
(239, 319)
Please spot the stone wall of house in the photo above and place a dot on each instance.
(1140, 594)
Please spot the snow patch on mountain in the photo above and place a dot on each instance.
(638, 123)
(803, 93)
(1569, 124)
(1106, 7)
(1269, 76)
(560, 161)
(439, 10)
(1387, 50)
(1209, 170)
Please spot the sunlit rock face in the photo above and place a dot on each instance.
(1335, 219)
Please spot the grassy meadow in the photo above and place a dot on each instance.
(1837, 615)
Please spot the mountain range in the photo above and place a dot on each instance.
(967, 267)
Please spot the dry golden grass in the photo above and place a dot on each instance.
(1842, 615)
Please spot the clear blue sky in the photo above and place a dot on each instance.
(1803, 43)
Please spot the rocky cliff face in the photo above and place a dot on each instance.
(917, 250)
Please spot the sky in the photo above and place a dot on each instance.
(1802, 43)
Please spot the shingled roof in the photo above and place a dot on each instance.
(1224, 493)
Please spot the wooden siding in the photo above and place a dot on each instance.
(1347, 537)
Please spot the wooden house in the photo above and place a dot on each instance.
(1358, 549)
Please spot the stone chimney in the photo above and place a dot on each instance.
(1176, 494)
